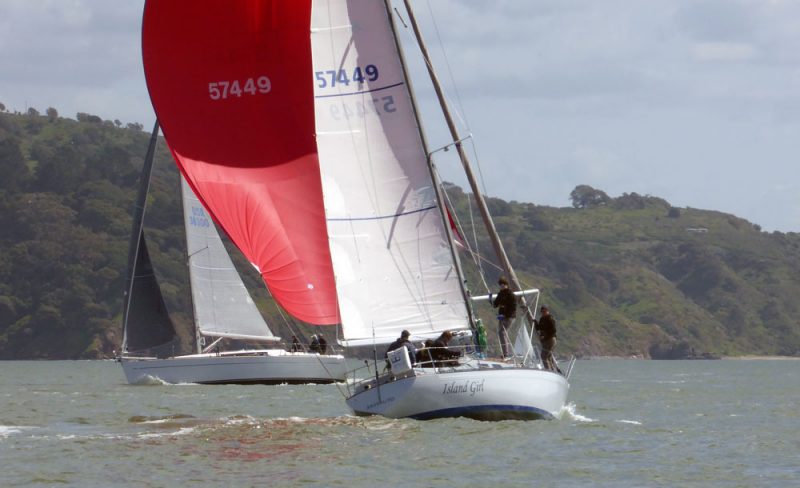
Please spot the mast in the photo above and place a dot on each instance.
(431, 167)
(136, 230)
(484, 210)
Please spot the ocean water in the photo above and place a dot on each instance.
(629, 423)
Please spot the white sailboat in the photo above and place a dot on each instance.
(223, 309)
(389, 234)
(330, 188)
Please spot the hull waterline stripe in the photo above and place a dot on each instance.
(485, 411)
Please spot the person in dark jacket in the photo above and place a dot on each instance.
(318, 344)
(296, 346)
(506, 305)
(545, 327)
(314, 346)
(403, 341)
(441, 354)
(424, 356)
(323, 344)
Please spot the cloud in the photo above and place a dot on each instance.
(694, 101)
(74, 55)
(717, 20)
(724, 51)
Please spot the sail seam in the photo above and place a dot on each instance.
(359, 92)
(381, 217)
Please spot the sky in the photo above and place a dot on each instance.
(693, 101)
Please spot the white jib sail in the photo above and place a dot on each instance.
(222, 305)
(393, 265)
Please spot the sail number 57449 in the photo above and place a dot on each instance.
(331, 78)
(221, 90)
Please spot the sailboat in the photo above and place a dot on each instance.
(326, 183)
(222, 308)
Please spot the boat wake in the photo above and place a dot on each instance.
(176, 418)
(9, 430)
(568, 412)
(148, 380)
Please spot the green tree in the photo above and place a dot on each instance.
(60, 170)
(536, 219)
(13, 169)
(498, 207)
(584, 196)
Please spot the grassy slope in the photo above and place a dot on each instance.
(622, 279)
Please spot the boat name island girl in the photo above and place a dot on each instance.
(467, 386)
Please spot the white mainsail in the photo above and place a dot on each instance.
(391, 257)
(222, 305)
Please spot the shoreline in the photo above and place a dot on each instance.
(751, 357)
(748, 357)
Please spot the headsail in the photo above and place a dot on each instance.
(232, 85)
(222, 305)
(393, 264)
(147, 326)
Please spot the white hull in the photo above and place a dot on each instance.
(486, 393)
(240, 367)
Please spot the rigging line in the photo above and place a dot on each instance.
(429, 64)
(475, 237)
(496, 266)
(318, 356)
(475, 259)
(339, 313)
(286, 322)
(282, 315)
(456, 219)
(487, 261)
(478, 164)
(475, 255)
(460, 111)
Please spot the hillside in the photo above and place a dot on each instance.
(634, 276)
(624, 276)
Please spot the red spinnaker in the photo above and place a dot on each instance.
(232, 85)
